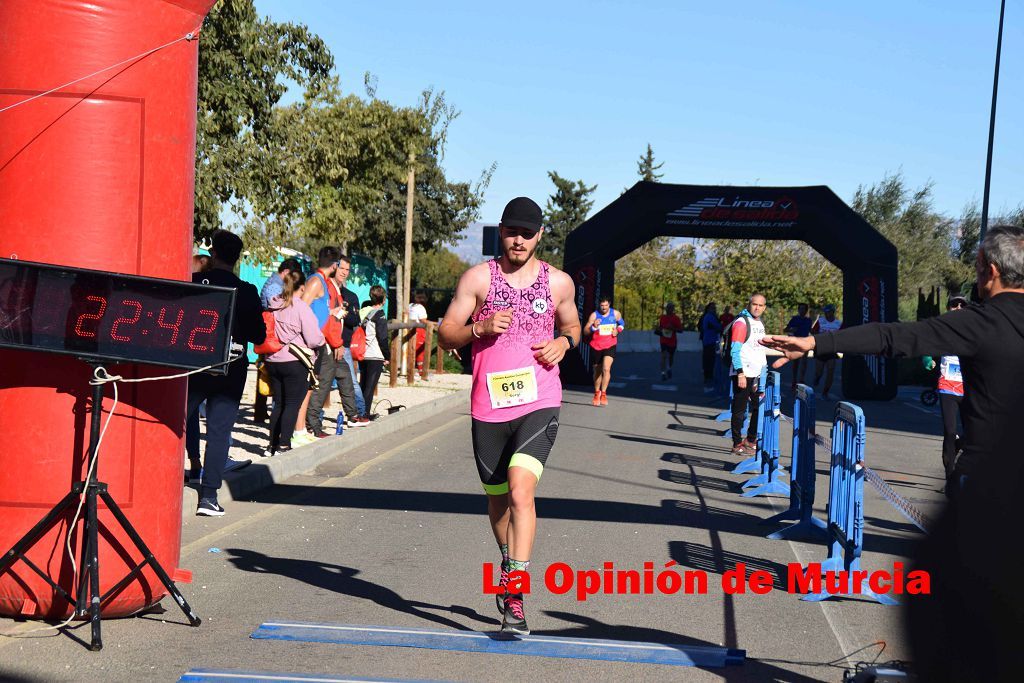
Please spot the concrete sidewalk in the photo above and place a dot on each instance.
(419, 402)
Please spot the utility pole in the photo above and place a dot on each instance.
(407, 274)
(992, 124)
(406, 271)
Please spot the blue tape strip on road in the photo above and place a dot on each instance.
(495, 643)
(224, 675)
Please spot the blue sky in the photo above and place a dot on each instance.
(768, 93)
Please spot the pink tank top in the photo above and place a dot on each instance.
(508, 382)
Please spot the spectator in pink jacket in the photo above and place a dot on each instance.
(289, 377)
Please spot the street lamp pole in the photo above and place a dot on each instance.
(992, 123)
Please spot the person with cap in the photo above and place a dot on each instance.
(603, 326)
(222, 393)
(967, 628)
(827, 323)
(510, 308)
(950, 388)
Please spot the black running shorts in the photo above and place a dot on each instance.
(597, 357)
(523, 442)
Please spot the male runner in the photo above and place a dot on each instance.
(667, 327)
(603, 326)
(522, 321)
(748, 359)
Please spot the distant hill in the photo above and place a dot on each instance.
(469, 247)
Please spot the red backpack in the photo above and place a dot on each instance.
(358, 344)
(272, 344)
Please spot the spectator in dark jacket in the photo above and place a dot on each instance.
(222, 393)
(351, 323)
(968, 628)
(378, 351)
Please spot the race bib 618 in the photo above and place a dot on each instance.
(512, 387)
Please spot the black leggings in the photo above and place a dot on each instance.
(950, 405)
(369, 375)
(288, 383)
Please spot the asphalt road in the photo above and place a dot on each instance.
(396, 535)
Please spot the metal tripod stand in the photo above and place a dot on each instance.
(87, 598)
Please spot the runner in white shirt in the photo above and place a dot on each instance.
(828, 323)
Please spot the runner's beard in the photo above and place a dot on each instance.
(519, 258)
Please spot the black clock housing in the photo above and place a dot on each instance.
(114, 317)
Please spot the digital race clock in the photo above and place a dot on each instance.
(110, 316)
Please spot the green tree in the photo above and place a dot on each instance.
(968, 230)
(924, 239)
(245, 66)
(442, 208)
(335, 172)
(646, 168)
(656, 273)
(787, 273)
(563, 213)
(437, 268)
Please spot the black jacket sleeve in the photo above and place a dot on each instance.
(249, 310)
(959, 333)
(383, 338)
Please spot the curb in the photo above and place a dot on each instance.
(265, 472)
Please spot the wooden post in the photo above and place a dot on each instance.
(396, 359)
(402, 315)
(440, 359)
(410, 357)
(425, 371)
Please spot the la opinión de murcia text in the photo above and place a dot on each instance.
(671, 579)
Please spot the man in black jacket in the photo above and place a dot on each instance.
(351, 323)
(222, 393)
(967, 629)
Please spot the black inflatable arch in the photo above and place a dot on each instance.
(814, 215)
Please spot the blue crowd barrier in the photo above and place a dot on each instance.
(846, 505)
(726, 414)
(801, 475)
(722, 385)
(753, 463)
(769, 481)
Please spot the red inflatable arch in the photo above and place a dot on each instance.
(94, 173)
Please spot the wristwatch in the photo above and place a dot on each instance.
(572, 342)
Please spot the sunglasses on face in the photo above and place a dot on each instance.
(525, 233)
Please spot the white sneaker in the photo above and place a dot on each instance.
(302, 438)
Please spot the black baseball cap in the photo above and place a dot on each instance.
(522, 212)
(956, 301)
